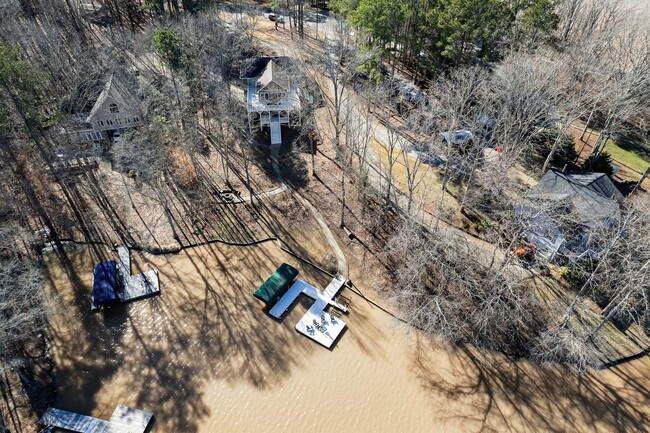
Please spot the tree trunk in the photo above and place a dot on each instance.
(556, 143)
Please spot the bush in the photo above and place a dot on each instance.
(566, 151)
(568, 273)
(601, 163)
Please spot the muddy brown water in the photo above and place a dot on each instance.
(204, 357)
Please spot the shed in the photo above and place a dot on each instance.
(276, 284)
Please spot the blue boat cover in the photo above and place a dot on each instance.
(104, 283)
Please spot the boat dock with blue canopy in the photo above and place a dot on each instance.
(104, 284)
(113, 282)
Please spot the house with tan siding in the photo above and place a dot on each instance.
(115, 108)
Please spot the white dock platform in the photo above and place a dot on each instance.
(128, 420)
(72, 421)
(330, 327)
(123, 420)
(137, 286)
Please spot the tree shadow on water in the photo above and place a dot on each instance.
(490, 393)
(169, 354)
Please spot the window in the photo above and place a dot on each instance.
(136, 119)
(113, 108)
(101, 123)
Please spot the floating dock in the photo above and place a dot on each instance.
(128, 420)
(326, 296)
(316, 324)
(73, 421)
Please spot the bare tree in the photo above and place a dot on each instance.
(340, 61)
(444, 287)
(22, 302)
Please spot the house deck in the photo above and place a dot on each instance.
(253, 103)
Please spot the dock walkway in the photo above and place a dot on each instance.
(73, 421)
(326, 296)
(137, 286)
(316, 324)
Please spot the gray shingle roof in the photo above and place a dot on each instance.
(255, 68)
(593, 196)
(273, 74)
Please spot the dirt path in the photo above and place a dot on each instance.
(267, 194)
(342, 265)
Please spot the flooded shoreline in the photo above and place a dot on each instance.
(205, 357)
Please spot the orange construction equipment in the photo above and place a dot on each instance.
(527, 252)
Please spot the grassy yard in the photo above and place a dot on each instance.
(633, 159)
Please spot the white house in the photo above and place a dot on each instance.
(271, 95)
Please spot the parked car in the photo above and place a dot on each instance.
(459, 138)
(413, 95)
(117, 136)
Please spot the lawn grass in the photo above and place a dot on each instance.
(628, 153)
(630, 158)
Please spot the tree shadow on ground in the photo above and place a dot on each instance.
(634, 144)
(70, 284)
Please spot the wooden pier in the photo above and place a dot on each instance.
(123, 420)
(73, 421)
(137, 286)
